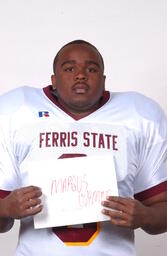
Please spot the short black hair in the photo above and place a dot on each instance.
(75, 42)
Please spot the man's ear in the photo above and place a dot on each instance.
(53, 79)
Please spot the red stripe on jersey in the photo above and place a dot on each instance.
(162, 187)
(47, 91)
(72, 155)
(4, 193)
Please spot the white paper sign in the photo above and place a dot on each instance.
(73, 189)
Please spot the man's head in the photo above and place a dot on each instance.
(78, 78)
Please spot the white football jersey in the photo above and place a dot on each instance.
(128, 125)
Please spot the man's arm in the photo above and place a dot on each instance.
(18, 204)
(157, 219)
(150, 215)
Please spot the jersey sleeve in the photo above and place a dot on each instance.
(9, 171)
(151, 177)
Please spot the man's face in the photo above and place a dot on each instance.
(79, 79)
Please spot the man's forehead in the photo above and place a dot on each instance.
(77, 50)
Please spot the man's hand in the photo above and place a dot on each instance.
(126, 212)
(22, 202)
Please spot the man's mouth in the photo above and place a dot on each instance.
(80, 88)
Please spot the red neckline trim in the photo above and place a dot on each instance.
(47, 92)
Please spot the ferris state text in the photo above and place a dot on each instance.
(71, 139)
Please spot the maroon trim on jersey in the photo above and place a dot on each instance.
(106, 96)
(162, 187)
(4, 193)
(75, 235)
(72, 155)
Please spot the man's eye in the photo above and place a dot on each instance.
(92, 70)
(69, 69)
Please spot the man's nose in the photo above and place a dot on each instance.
(80, 76)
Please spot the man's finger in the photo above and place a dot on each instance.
(113, 205)
(118, 218)
(32, 195)
(28, 189)
(121, 200)
(33, 210)
(32, 203)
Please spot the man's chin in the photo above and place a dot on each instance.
(82, 107)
